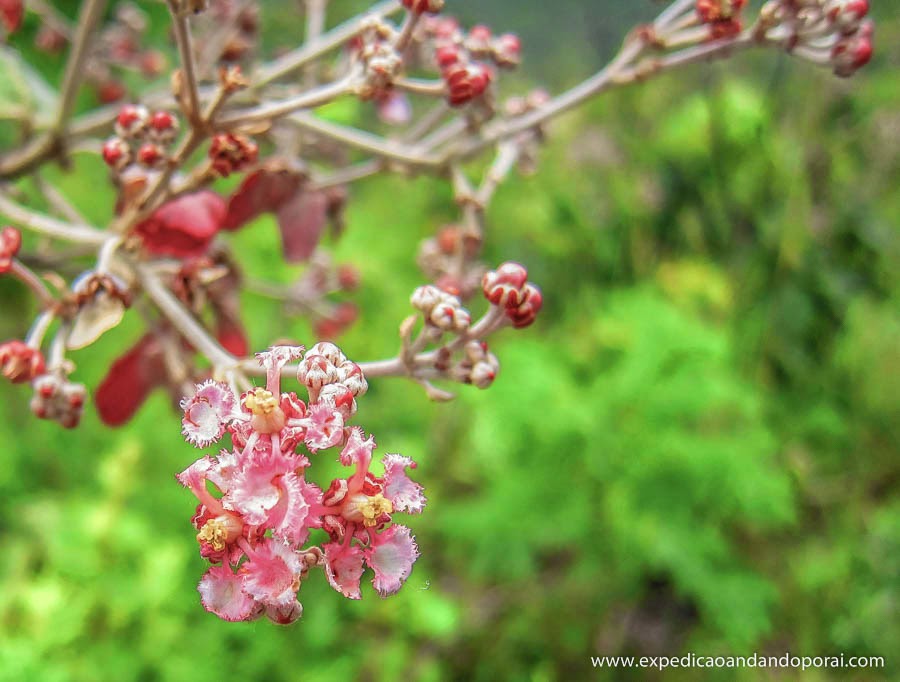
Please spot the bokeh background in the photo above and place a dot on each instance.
(695, 449)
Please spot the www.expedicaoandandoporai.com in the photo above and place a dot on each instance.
(785, 661)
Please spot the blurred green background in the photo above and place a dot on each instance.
(695, 449)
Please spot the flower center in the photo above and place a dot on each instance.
(268, 416)
(220, 531)
(367, 509)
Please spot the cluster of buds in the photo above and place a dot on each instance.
(56, 398)
(381, 61)
(504, 50)
(141, 136)
(256, 532)
(508, 288)
(244, 17)
(331, 378)
(450, 260)
(10, 243)
(722, 16)
(456, 54)
(478, 366)
(441, 310)
(231, 153)
(833, 33)
(118, 46)
(19, 362)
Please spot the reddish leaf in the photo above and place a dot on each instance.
(130, 380)
(230, 334)
(11, 12)
(263, 190)
(301, 221)
(184, 227)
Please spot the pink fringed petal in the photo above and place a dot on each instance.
(221, 594)
(194, 477)
(404, 493)
(272, 573)
(324, 428)
(344, 568)
(207, 413)
(291, 520)
(392, 557)
(358, 452)
(255, 489)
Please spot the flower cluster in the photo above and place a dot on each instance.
(832, 33)
(255, 529)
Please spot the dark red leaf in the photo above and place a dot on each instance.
(231, 335)
(264, 190)
(130, 380)
(301, 221)
(184, 227)
(11, 12)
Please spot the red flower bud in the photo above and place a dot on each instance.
(525, 314)
(110, 91)
(132, 120)
(465, 83)
(853, 52)
(423, 6)
(116, 153)
(10, 243)
(163, 126)
(150, 155)
(19, 362)
(447, 55)
(49, 40)
(718, 10)
(348, 277)
(508, 50)
(230, 153)
(152, 63)
(505, 286)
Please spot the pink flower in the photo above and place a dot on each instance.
(391, 557)
(344, 568)
(272, 573)
(207, 413)
(360, 508)
(405, 494)
(324, 427)
(268, 492)
(221, 593)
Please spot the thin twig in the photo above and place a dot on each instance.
(49, 226)
(89, 16)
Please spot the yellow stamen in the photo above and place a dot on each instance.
(220, 531)
(367, 510)
(268, 416)
(261, 402)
